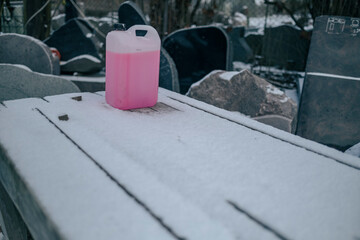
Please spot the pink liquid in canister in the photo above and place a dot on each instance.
(132, 79)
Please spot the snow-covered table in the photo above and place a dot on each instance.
(77, 168)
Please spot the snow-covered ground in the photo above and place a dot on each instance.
(274, 21)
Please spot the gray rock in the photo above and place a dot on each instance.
(17, 81)
(249, 94)
(28, 51)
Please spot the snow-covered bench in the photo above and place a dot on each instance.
(76, 168)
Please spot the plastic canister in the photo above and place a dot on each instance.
(132, 67)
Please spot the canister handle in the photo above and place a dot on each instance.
(151, 32)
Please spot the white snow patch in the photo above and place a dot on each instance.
(292, 94)
(241, 66)
(239, 18)
(103, 19)
(273, 90)
(89, 57)
(18, 65)
(259, 2)
(354, 150)
(58, 16)
(228, 75)
(94, 79)
(208, 75)
(272, 21)
(284, 100)
(107, 19)
(89, 35)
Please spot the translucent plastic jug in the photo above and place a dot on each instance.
(132, 67)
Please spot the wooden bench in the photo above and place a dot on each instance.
(76, 168)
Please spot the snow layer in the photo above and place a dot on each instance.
(88, 78)
(228, 75)
(333, 76)
(184, 159)
(273, 90)
(86, 56)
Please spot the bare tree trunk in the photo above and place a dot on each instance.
(38, 26)
(165, 18)
(196, 7)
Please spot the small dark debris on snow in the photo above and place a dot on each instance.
(64, 117)
(77, 98)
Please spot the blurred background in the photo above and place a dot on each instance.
(169, 15)
(265, 33)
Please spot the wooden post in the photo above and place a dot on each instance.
(38, 26)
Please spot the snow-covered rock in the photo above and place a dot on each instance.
(28, 51)
(249, 94)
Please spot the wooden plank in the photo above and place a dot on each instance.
(238, 171)
(46, 140)
(11, 223)
(35, 168)
(32, 213)
(219, 172)
(262, 128)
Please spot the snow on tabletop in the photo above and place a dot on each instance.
(210, 160)
(84, 204)
(266, 129)
(23, 104)
(184, 218)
